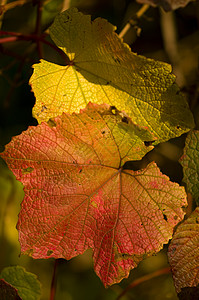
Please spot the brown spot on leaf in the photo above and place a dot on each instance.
(43, 108)
(113, 110)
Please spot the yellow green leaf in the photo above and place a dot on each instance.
(102, 69)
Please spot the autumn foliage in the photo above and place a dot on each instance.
(107, 106)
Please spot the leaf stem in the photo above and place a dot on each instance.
(54, 281)
(138, 15)
(143, 279)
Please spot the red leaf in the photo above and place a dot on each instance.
(78, 196)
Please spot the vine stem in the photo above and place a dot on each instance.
(170, 40)
(13, 4)
(144, 278)
(66, 5)
(38, 27)
(138, 15)
(14, 36)
(54, 281)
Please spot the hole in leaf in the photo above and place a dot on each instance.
(113, 110)
(178, 127)
(125, 120)
(103, 132)
(165, 217)
(80, 170)
(49, 252)
(67, 19)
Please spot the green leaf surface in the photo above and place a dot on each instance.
(102, 69)
(26, 283)
(190, 163)
(7, 291)
(78, 194)
(183, 253)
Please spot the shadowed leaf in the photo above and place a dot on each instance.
(189, 293)
(190, 163)
(183, 253)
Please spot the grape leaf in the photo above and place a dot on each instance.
(7, 291)
(102, 69)
(190, 163)
(183, 253)
(26, 283)
(166, 4)
(78, 194)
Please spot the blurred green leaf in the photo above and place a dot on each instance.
(25, 282)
